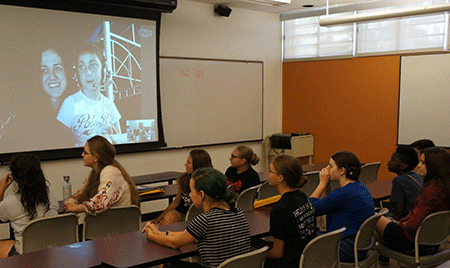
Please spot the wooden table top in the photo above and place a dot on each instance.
(125, 250)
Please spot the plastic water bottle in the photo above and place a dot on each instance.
(66, 187)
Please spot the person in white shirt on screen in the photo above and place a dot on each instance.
(88, 112)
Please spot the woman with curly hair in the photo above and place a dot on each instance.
(348, 206)
(107, 185)
(30, 199)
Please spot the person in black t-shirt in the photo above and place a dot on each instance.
(292, 219)
(240, 175)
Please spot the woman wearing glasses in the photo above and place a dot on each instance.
(292, 219)
(107, 185)
(240, 175)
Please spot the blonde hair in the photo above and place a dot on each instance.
(245, 152)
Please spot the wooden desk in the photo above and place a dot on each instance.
(144, 253)
(168, 176)
(171, 191)
(314, 167)
(126, 250)
(70, 256)
(380, 190)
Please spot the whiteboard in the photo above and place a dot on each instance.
(206, 101)
(424, 110)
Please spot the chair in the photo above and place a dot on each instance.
(114, 221)
(434, 230)
(48, 232)
(253, 259)
(246, 198)
(192, 212)
(369, 172)
(313, 181)
(266, 190)
(322, 251)
(365, 241)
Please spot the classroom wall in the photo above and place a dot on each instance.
(193, 30)
(346, 104)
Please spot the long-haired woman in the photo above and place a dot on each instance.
(107, 185)
(177, 210)
(30, 199)
(434, 165)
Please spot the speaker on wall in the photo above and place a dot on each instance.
(222, 10)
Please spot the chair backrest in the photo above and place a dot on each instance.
(313, 181)
(266, 190)
(253, 259)
(364, 238)
(114, 221)
(246, 198)
(192, 212)
(435, 229)
(369, 172)
(323, 251)
(48, 232)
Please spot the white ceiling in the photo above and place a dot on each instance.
(277, 9)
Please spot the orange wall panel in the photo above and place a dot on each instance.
(346, 104)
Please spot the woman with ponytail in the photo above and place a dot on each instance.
(30, 199)
(292, 219)
(240, 174)
(107, 185)
(349, 205)
(221, 230)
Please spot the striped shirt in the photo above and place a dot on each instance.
(221, 235)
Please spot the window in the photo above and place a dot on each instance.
(304, 38)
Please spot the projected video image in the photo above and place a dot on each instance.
(67, 77)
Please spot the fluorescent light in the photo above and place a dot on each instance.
(378, 15)
(268, 2)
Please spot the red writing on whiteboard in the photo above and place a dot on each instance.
(190, 73)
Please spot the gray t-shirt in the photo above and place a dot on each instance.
(11, 210)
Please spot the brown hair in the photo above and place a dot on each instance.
(200, 158)
(291, 170)
(105, 152)
(247, 153)
(437, 162)
(350, 162)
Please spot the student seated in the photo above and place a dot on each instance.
(292, 219)
(107, 185)
(30, 199)
(177, 210)
(349, 205)
(221, 230)
(434, 164)
(407, 183)
(240, 175)
(420, 145)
